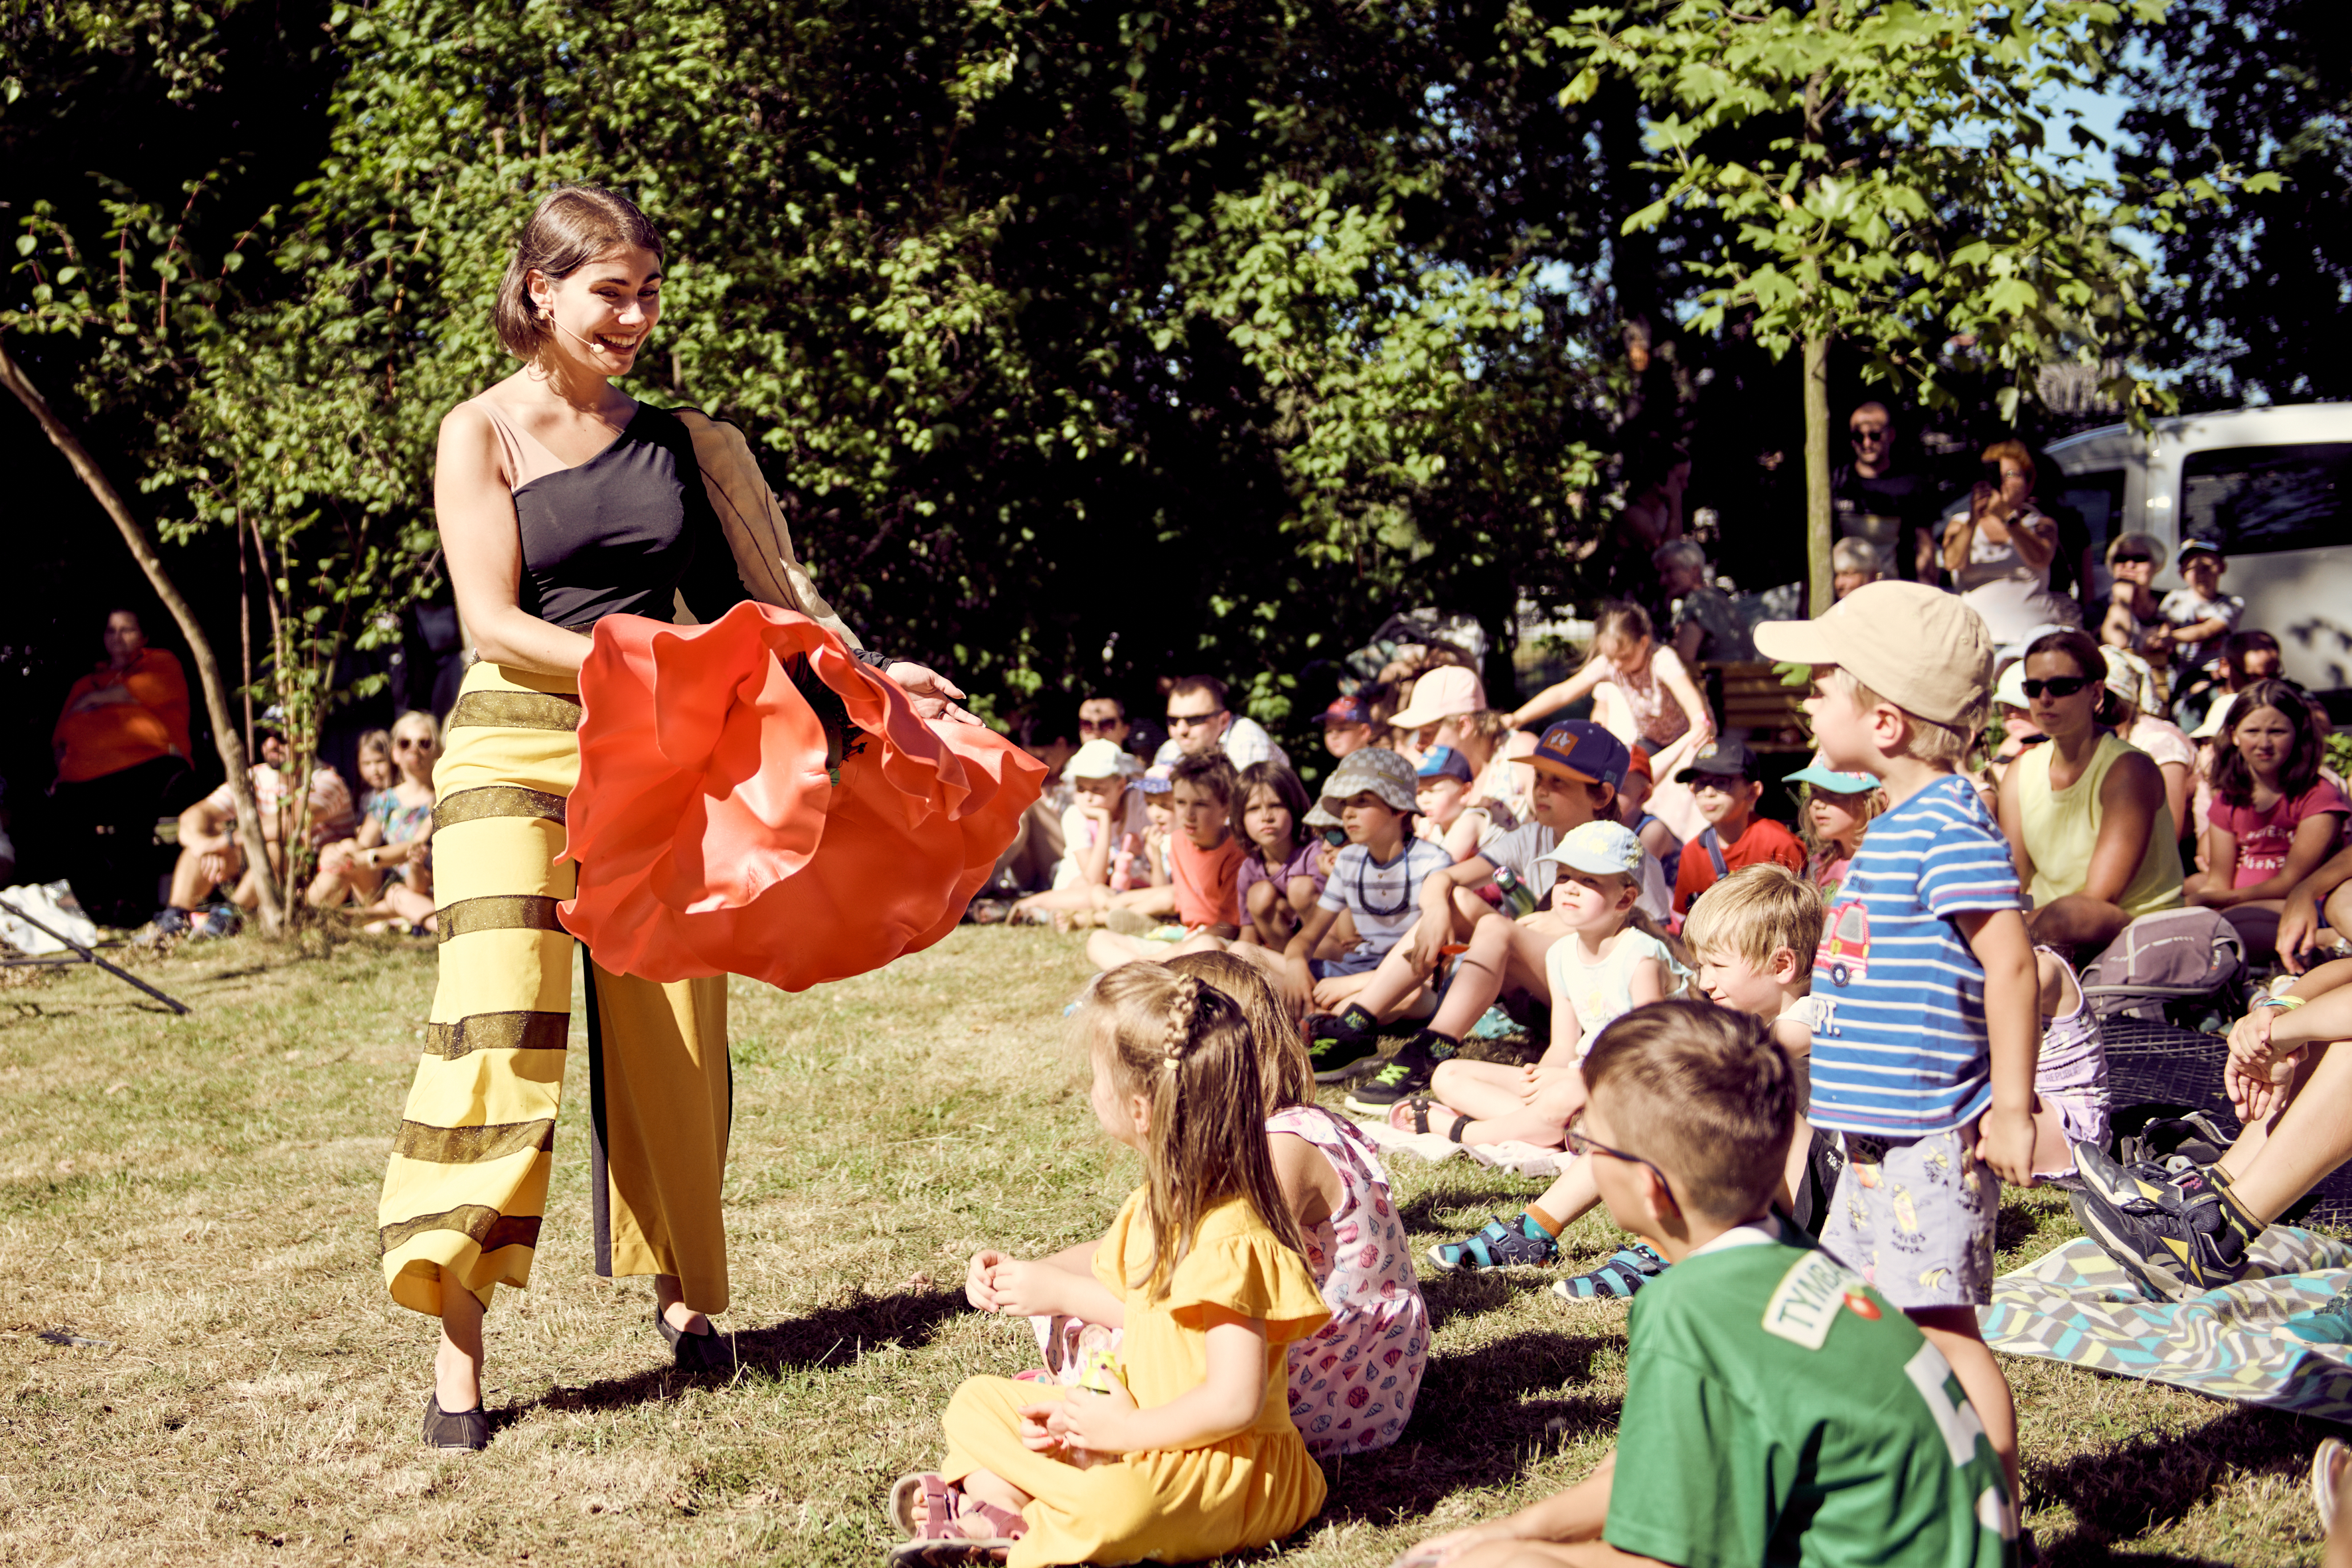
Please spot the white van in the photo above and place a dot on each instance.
(2270, 486)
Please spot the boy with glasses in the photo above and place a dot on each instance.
(1778, 1409)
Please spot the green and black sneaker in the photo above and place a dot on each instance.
(2176, 1238)
(1403, 1075)
(1339, 1050)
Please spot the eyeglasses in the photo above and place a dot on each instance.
(412, 744)
(1096, 726)
(2057, 685)
(1867, 432)
(1193, 720)
(1579, 1143)
(2127, 559)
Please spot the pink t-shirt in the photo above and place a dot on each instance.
(2265, 836)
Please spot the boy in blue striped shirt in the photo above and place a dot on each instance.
(1926, 1002)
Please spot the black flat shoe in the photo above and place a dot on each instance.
(695, 1353)
(455, 1431)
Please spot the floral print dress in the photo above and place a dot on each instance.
(1353, 1380)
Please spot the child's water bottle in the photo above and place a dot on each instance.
(1516, 893)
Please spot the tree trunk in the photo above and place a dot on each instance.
(1818, 593)
(142, 549)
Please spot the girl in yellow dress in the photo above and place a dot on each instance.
(1187, 1450)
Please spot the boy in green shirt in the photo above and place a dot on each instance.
(1777, 1409)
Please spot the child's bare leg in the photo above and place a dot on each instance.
(1953, 1331)
(1505, 956)
(1800, 1156)
(1108, 949)
(1573, 1193)
(994, 1491)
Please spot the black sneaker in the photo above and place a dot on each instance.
(1337, 1051)
(1402, 1076)
(2136, 1186)
(2174, 1240)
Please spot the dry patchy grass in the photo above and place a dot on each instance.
(200, 1194)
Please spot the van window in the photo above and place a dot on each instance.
(2097, 498)
(2250, 500)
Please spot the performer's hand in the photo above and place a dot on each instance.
(934, 696)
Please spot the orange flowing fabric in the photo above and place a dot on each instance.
(725, 823)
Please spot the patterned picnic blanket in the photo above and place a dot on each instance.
(2280, 1338)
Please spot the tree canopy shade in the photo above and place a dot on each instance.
(2253, 301)
(1887, 175)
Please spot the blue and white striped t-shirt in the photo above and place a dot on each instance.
(1899, 1048)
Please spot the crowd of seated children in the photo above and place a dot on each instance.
(1610, 959)
(1335, 1188)
(1204, 866)
(1488, 906)
(385, 869)
(1640, 693)
(1753, 940)
(1725, 781)
(1776, 1410)
(1106, 851)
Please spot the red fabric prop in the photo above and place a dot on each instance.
(711, 836)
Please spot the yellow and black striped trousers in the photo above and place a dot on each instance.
(467, 1186)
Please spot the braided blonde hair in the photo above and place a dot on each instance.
(1187, 1049)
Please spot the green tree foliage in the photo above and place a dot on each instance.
(2252, 302)
(1887, 175)
(1084, 342)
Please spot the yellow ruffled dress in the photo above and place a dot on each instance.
(1174, 1505)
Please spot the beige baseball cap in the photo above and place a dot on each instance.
(1919, 647)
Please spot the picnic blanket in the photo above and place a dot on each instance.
(2277, 1338)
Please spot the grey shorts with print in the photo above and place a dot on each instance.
(1915, 1217)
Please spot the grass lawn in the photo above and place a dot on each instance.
(200, 1194)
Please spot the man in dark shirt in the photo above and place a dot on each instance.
(1872, 498)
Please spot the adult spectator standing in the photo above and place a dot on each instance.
(1876, 498)
(121, 748)
(1199, 724)
(1999, 550)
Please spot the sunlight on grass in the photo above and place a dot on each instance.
(201, 1193)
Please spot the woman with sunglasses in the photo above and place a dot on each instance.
(2085, 816)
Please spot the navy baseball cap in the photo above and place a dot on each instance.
(1722, 760)
(1580, 749)
(1444, 762)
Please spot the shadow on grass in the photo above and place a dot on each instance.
(1475, 1426)
(2143, 1484)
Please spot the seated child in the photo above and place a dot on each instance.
(1577, 768)
(1753, 937)
(1204, 865)
(1183, 1448)
(1375, 882)
(1837, 809)
(1102, 836)
(1441, 792)
(1353, 1380)
(1281, 873)
(1611, 960)
(1723, 780)
(1778, 1409)
(2071, 1099)
(1347, 726)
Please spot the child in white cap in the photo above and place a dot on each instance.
(1103, 836)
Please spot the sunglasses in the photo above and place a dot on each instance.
(1191, 720)
(1095, 726)
(1862, 434)
(411, 744)
(2056, 686)
(2127, 559)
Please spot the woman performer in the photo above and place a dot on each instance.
(563, 500)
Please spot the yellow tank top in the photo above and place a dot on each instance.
(2062, 826)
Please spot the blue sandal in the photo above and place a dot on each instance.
(1627, 1271)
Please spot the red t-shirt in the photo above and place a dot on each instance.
(2265, 836)
(1763, 840)
(1208, 881)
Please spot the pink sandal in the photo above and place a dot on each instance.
(929, 1507)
